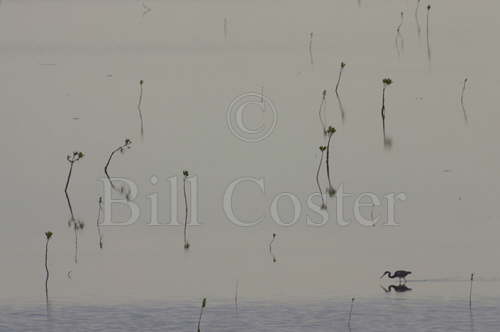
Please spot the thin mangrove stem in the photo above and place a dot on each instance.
(417, 20)
(236, 295)
(310, 48)
(122, 149)
(428, 34)
(321, 112)
(186, 243)
(271, 248)
(399, 41)
(350, 313)
(141, 82)
(470, 290)
(462, 100)
(203, 305)
(48, 235)
(331, 191)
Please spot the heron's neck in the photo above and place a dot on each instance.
(392, 276)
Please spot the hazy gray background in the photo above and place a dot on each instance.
(191, 74)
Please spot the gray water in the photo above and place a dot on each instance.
(393, 313)
(69, 80)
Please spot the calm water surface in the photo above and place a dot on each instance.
(69, 80)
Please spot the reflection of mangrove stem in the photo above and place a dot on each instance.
(321, 112)
(323, 204)
(310, 48)
(271, 248)
(99, 232)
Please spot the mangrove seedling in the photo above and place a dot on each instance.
(99, 232)
(72, 159)
(310, 48)
(321, 112)
(331, 191)
(350, 314)
(271, 248)
(399, 41)
(139, 110)
(470, 290)
(48, 235)
(341, 107)
(428, 34)
(387, 141)
(203, 305)
(122, 148)
(76, 224)
(342, 65)
(186, 243)
(236, 295)
(323, 204)
(462, 100)
(225, 28)
(417, 19)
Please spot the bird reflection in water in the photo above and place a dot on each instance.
(400, 288)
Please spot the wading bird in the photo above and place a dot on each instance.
(401, 274)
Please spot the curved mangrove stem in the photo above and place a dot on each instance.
(186, 243)
(121, 148)
(462, 101)
(141, 82)
(331, 190)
